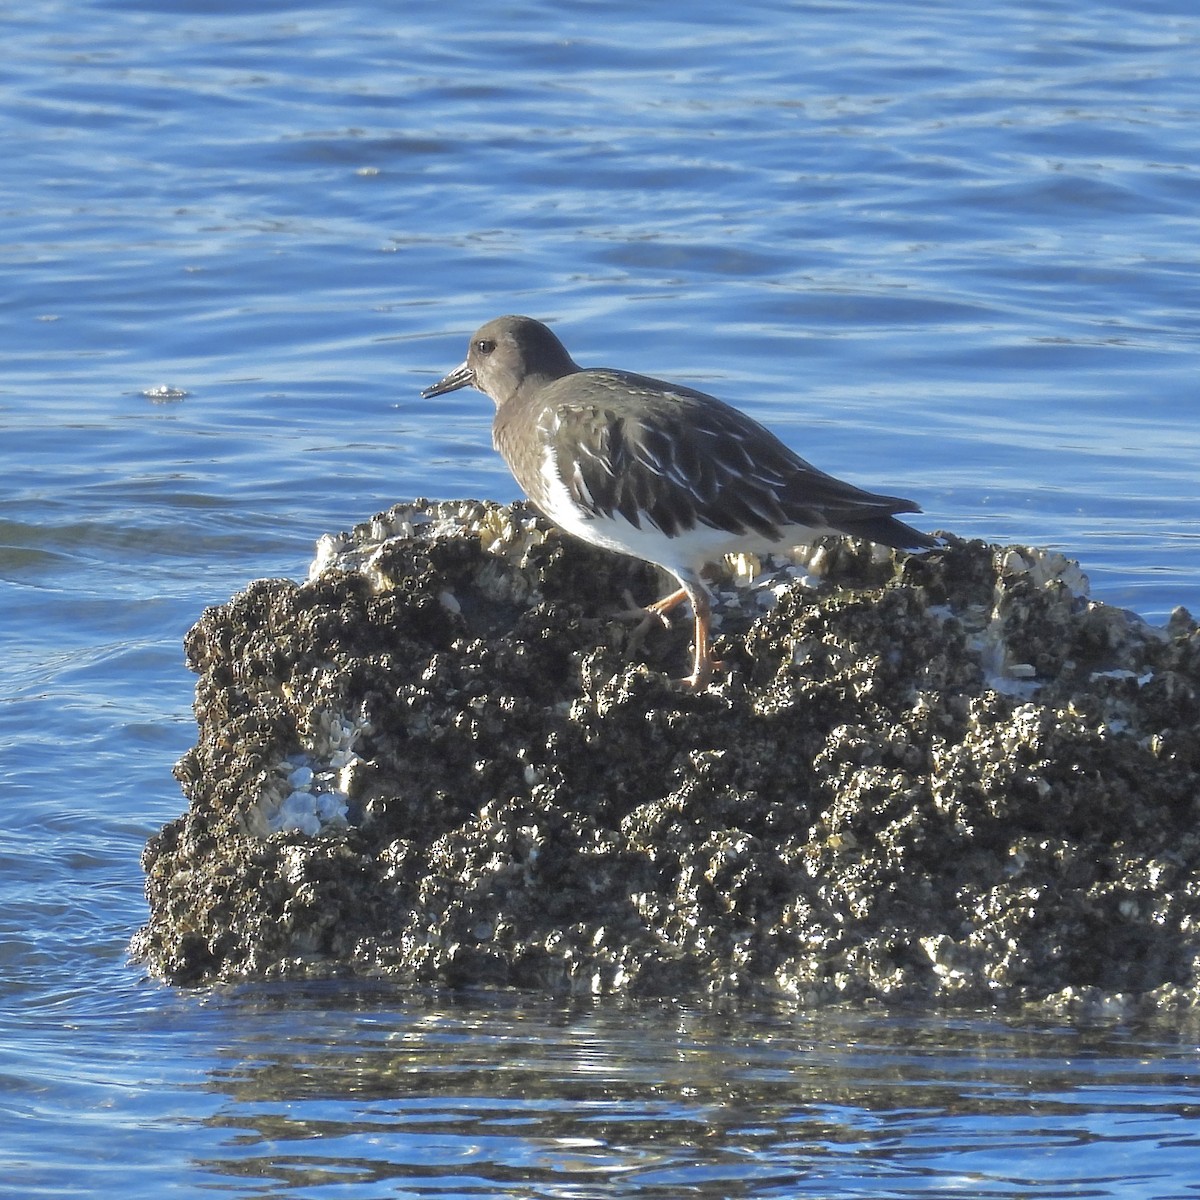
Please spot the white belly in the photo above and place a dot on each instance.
(684, 554)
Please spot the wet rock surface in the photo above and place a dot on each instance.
(447, 758)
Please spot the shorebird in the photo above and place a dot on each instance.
(656, 470)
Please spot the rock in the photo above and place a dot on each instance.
(949, 777)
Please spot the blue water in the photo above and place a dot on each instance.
(949, 255)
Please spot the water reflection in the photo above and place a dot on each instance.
(504, 1094)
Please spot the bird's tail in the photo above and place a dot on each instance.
(887, 531)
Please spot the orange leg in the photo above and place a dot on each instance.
(651, 612)
(703, 662)
(660, 608)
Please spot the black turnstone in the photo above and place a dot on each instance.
(658, 471)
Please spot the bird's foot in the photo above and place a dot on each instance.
(702, 672)
(648, 616)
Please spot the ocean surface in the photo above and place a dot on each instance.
(946, 252)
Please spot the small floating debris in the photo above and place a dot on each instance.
(165, 394)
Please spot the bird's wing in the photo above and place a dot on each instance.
(676, 458)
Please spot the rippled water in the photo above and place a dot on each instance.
(948, 256)
(342, 1091)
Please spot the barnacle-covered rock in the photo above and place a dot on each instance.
(448, 758)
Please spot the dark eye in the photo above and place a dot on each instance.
(485, 345)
